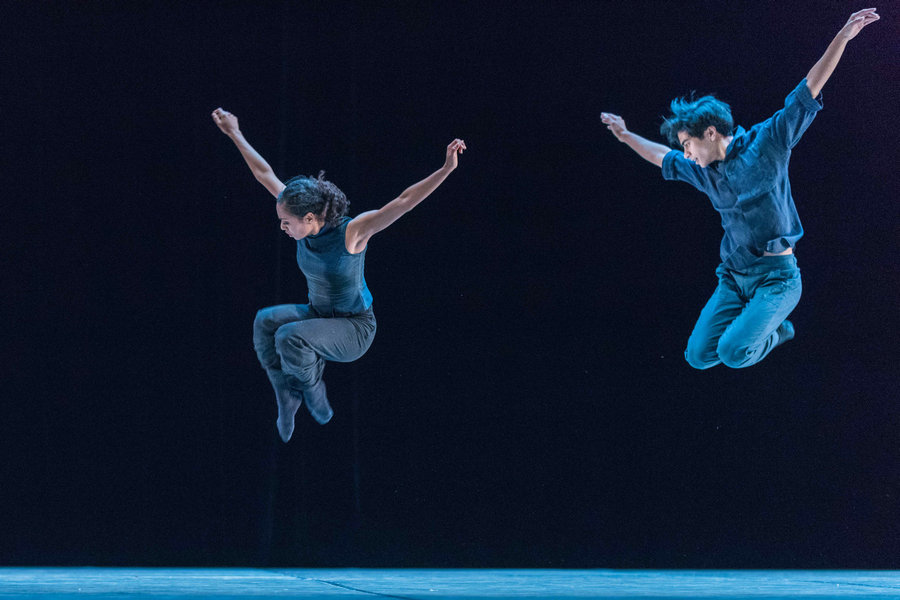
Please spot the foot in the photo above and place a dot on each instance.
(785, 332)
(288, 400)
(317, 403)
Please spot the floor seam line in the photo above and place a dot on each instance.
(343, 586)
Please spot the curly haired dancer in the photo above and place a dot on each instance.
(293, 341)
(745, 175)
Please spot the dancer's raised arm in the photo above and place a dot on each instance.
(824, 67)
(228, 123)
(650, 151)
(367, 224)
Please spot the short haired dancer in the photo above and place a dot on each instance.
(293, 341)
(745, 175)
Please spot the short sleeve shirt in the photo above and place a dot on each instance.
(750, 187)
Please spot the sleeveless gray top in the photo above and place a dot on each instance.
(334, 277)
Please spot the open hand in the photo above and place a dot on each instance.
(614, 123)
(226, 121)
(455, 147)
(857, 21)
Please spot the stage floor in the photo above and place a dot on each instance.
(443, 584)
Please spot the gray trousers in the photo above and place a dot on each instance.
(297, 340)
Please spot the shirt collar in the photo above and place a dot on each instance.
(736, 141)
(325, 229)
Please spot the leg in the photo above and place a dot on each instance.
(287, 393)
(304, 346)
(267, 322)
(762, 326)
(722, 308)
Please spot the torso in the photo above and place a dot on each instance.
(334, 276)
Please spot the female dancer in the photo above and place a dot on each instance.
(293, 341)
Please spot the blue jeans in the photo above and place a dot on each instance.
(297, 340)
(737, 327)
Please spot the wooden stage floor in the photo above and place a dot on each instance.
(442, 584)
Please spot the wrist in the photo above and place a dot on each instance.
(841, 39)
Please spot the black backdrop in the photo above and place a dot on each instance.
(525, 402)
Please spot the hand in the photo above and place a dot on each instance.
(455, 147)
(226, 121)
(614, 123)
(857, 21)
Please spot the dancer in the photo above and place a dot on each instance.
(745, 175)
(293, 341)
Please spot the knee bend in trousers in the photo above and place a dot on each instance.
(698, 355)
(287, 344)
(698, 360)
(733, 354)
(262, 323)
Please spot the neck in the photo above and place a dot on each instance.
(723, 146)
(318, 226)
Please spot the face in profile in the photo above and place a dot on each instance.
(702, 150)
(297, 227)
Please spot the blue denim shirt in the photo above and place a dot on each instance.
(334, 277)
(750, 187)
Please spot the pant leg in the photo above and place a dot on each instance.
(267, 322)
(304, 346)
(721, 309)
(752, 334)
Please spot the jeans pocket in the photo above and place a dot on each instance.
(779, 285)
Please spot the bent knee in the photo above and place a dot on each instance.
(282, 336)
(699, 362)
(700, 359)
(262, 322)
(733, 356)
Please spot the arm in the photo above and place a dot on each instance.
(650, 151)
(228, 123)
(363, 227)
(823, 69)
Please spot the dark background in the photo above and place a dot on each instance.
(525, 402)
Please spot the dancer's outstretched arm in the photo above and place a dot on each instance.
(367, 224)
(823, 69)
(228, 123)
(648, 150)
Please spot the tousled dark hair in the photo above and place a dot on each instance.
(694, 115)
(318, 196)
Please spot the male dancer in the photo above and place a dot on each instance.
(744, 173)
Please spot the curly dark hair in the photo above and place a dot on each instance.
(694, 115)
(318, 196)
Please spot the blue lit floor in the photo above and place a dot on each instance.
(332, 584)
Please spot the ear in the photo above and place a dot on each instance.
(711, 132)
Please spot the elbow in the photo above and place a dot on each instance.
(262, 175)
(405, 203)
